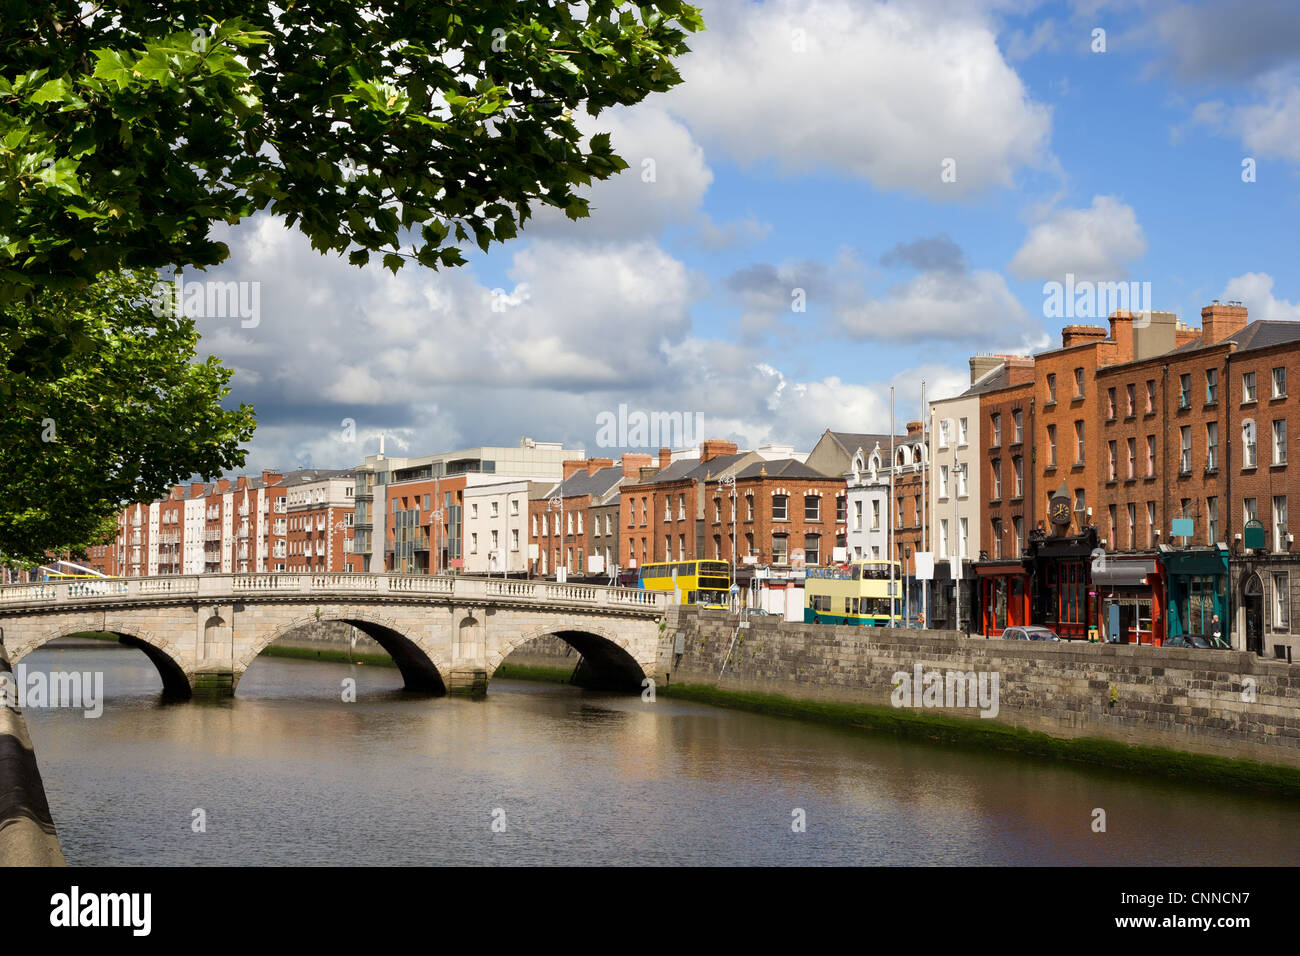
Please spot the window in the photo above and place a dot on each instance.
(857, 516)
(749, 507)
(1249, 509)
(717, 510)
(1018, 468)
(1247, 387)
(780, 508)
(1111, 530)
(943, 433)
(1281, 602)
(1018, 535)
(1151, 396)
(1212, 521)
(875, 515)
(1279, 441)
(995, 424)
(963, 526)
(1279, 383)
(496, 508)
(778, 549)
(1110, 404)
(812, 548)
(961, 431)
(1185, 449)
(1248, 456)
(1078, 383)
(1132, 526)
(996, 472)
(681, 507)
(1130, 403)
(1051, 387)
(1151, 524)
(943, 537)
(1018, 422)
(943, 481)
(1111, 454)
(898, 514)
(1184, 391)
(995, 529)
(840, 513)
(1132, 459)
(812, 508)
(1211, 385)
(1279, 522)
(1051, 446)
(579, 523)
(1078, 442)
(961, 481)
(1151, 456)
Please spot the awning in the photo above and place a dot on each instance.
(1124, 573)
(995, 568)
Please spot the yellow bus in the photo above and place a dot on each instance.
(856, 593)
(702, 583)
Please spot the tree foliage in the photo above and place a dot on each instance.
(130, 414)
(377, 128)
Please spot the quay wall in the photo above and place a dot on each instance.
(1229, 704)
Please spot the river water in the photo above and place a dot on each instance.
(289, 773)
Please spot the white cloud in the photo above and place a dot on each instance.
(1254, 290)
(881, 91)
(1094, 243)
(974, 308)
(664, 184)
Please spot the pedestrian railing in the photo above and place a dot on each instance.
(216, 587)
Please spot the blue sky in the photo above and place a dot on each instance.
(804, 152)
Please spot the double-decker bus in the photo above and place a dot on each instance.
(855, 593)
(702, 583)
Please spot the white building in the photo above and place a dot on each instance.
(496, 526)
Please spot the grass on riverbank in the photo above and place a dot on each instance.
(983, 734)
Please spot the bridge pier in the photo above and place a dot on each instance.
(468, 682)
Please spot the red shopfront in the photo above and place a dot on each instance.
(1004, 589)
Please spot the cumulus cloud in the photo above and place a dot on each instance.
(1094, 243)
(664, 184)
(1220, 39)
(938, 253)
(973, 308)
(881, 91)
(1254, 290)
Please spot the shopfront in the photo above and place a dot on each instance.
(1197, 599)
(1004, 590)
(1128, 595)
(1061, 579)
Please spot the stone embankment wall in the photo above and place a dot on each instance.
(1223, 703)
(27, 836)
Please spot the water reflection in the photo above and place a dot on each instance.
(288, 773)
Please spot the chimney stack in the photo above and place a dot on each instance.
(633, 463)
(1219, 321)
(665, 456)
(595, 464)
(196, 489)
(1080, 334)
(271, 477)
(713, 448)
(572, 467)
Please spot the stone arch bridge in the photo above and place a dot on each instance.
(446, 634)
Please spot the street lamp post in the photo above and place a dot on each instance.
(553, 503)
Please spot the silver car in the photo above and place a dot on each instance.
(1030, 633)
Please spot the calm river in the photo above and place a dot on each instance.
(287, 773)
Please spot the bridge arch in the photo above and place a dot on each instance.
(421, 669)
(161, 653)
(608, 660)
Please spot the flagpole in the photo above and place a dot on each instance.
(925, 493)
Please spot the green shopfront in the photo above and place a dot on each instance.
(1197, 582)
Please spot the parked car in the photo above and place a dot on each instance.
(1201, 641)
(1030, 633)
